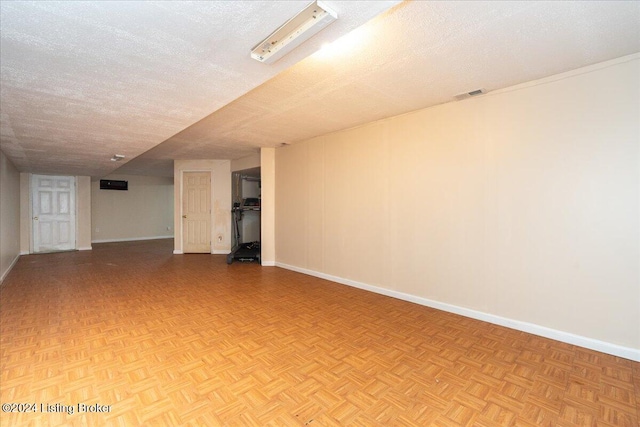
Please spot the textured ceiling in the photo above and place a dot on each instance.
(416, 55)
(81, 81)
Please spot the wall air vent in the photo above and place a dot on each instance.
(110, 184)
(470, 94)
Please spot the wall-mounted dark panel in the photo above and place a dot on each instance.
(108, 184)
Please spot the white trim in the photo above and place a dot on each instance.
(132, 239)
(6, 273)
(270, 264)
(220, 252)
(567, 337)
(177, 252)
(85, 248)
(24, 253)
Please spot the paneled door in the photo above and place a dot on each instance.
(196, 212)
(53, 207)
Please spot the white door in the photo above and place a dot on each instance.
(196, 212)
(53, 204)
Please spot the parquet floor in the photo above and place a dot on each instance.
(168, 340)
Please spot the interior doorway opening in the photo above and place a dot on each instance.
(245, 216)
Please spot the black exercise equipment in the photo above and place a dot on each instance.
(244, 252)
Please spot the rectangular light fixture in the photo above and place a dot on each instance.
(294, 32)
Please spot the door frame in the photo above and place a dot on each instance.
(181, 201)
(75, 213)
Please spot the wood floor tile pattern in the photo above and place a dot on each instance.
(188, 340)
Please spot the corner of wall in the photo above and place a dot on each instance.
(268, 214)
(9, 215)
(177, 207)
(83, 208)
(25, 213)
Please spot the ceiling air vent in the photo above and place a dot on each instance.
(470, 94)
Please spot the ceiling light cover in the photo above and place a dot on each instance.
(117, 157)
(294, 32)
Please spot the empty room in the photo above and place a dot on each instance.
(327, 213)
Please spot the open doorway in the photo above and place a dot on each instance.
(246, 204)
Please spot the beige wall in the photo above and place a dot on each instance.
(25, 213)
(519, 207)
(9, 215)
(83, 217)
(221, 201)
(144, 211)
(268, 206)
(83, 211)
(249, 162)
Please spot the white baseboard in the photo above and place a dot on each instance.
(177, 251)
(85, 248)
(269, 264)
(24, 253)
(133, 239)
(220, 252)
(566, 337)
(9, 269)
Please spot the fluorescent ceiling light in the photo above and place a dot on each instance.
(117, 157)
(345, 45)
(294, 32)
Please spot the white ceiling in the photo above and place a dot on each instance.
(81, 81)
(164, 81)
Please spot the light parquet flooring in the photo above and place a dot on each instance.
(188, 340)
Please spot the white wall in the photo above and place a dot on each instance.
(9, 215)
(144, 211)
(519, 207)
(220, 199)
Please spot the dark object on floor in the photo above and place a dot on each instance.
(245, 252)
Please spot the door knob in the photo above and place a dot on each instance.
(35, 218)
(184, 216)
